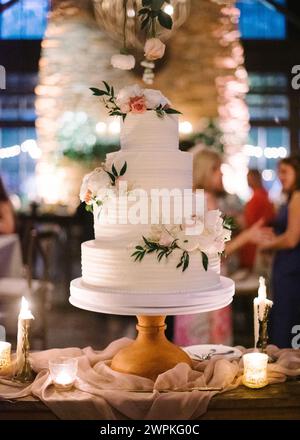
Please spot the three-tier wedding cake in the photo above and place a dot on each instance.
(149, 251)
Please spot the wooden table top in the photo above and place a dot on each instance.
(274, 402)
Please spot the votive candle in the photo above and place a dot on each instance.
(255, 370)
(63, 372)
(5, 361)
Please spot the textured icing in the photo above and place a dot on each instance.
(113, 267)
(148, 132)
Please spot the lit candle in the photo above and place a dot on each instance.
(260, 303)
(255, 370)
(63, 372)
(5, 362)
(24, 320)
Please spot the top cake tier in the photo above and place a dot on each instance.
(149, 132)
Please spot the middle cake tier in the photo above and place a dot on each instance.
(114, 268)
(152, 169)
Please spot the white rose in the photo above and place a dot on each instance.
(98, 179)
(84, 187)
(207, 244)
(188, 243)
(128, 92)
(213, 221)
(155, 233)
(123, 62)
(154, 98)
(154, 49)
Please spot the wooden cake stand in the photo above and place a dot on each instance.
(151, 353)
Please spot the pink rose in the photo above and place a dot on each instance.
(137, 104)
(154, 49)
(88, 197)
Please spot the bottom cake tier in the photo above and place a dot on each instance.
(177, 302)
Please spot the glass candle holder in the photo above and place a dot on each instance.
(63, 372)
(5, 361)
(255, 370)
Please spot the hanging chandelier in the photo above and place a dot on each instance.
(110, 15)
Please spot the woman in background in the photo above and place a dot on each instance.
(285, 241)
(213, 327)
(7, 219)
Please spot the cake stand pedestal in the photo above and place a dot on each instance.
(151, 353)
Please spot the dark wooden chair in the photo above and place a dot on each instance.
(34, 285)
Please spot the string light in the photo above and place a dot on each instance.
(29, 146)
(185, 127)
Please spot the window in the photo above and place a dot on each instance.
(268, 99)
(269, 138)
(27, 19)
(18, 148)
(258, 20)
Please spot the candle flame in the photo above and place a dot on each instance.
(262, 290)
(25, 312)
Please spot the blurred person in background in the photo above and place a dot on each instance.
(7, 218)
(284, 239)
(213, 327)
(258, 207)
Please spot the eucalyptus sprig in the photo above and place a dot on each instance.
(109, 99)
(151, 12)
(114, 174)
(152, 246)
(161, 251)
(161, 111)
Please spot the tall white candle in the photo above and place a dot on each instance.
(24, 315)
(259, 305)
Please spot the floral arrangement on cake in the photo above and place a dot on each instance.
(206, 236)
(133, 99)
(101, 184)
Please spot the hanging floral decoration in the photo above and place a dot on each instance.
(152, 13)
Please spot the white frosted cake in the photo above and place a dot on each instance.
(158, 263)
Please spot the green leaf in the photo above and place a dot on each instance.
(89, 208)
(146, 2)
(186, 261)
(172, 111)
(123, 169)
(115, 172)
(160, 113)
(229, 223)
(99, 203)
(113, 179)
(204, 260)
(165, 20)
(97, 92)
(106, 86)
(139, 248)
(112, 93)
(116, 113)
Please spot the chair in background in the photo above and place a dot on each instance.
(37, 289)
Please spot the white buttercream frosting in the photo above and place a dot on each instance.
(148, 132)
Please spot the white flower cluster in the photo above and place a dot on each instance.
(208, 235)
(95, 186)
(152, 98)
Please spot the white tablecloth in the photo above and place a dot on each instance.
(10, 256)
